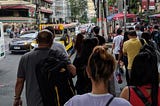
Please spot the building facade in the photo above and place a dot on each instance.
(25, 11)
(61, 11)
(91, 9)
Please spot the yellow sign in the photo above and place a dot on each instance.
(61, 27)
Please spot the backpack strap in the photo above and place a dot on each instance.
(141, 96)
(142, 41)
(110, 100)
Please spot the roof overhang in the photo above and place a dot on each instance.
(49, 1)
(17, 19)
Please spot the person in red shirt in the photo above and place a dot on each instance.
(144, 76)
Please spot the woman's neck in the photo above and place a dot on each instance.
(99, 88)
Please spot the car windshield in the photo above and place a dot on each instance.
(30, 35)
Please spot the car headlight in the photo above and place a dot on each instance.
(25, 43)
(33, 44)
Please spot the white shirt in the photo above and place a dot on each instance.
(117, 40)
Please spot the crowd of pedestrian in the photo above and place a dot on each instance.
(15, 30)
(94, 67)
(141, 64)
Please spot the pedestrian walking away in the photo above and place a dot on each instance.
(27, 70)
(144, 87)
(131, 48)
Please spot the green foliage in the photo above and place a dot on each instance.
(134, 11)
(84, 18)
(111, 2)
(77, 8)
(94, 20)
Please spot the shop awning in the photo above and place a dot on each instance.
(15, 7)
(155, 16)
(109, 18)
(49, 1)
(46, 11)
(17, 20)
(120, 16)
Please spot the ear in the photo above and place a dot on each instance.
(88, 71)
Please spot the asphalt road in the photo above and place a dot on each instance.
(8, 69)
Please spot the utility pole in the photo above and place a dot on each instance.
(99, 16)
(125, 14)
(104, 22)
(38, 14)
(100, 7)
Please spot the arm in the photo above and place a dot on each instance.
(18, 90)
(72, 69)
(113, 46)
(125, 93)
(20, 82)
(124, 49)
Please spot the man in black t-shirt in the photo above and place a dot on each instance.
(101, 39)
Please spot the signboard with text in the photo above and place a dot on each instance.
(144, 4)
(151, 4)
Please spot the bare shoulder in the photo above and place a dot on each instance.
(125, 93)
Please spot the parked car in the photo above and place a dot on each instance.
(22, 43)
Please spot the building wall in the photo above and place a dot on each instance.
(29, 8)
(61, 10)
(91, 9)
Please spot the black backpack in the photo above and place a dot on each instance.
(150, 48)
(156, 37)
(55, 82)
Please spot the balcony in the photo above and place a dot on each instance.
(49, 1)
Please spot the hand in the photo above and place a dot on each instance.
(17, 102)
(72, 69)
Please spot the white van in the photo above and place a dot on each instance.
(2, 44)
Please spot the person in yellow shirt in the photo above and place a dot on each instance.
(131, 48)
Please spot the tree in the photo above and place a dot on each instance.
(133, 7)
(111, 2)
(78, 8)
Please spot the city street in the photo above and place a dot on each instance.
(8, 70)
(116, 24)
